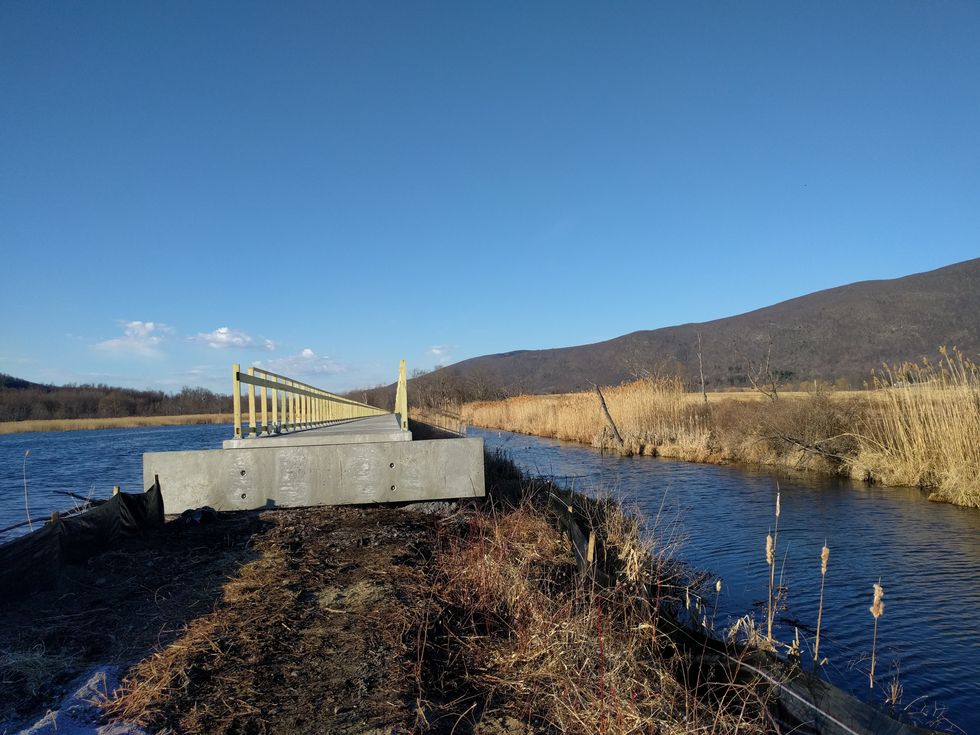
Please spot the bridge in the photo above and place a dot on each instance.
(299, 445)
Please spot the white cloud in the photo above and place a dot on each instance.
(441, 353)
(140, 339)
(225, 337)
(306, 363)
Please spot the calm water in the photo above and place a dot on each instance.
(88, 463)
(926, 554)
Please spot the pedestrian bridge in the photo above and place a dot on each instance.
(299, 445)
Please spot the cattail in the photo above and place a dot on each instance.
(824, 557)
(877, 606)
(771, 562)
(877, 609)
(714, 612)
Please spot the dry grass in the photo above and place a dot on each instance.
(563, 653)
(651, 414)
(918, 426)
(926, 430)
(123, 422)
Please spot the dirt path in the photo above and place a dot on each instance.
(315, 635)
(302, 620)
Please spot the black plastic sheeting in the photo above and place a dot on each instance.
(32, 562)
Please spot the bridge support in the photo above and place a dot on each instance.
(313, 468)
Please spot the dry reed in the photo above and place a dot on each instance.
(824, 558)
(123, 422)
(573, 656)
(919, 425)
(926, 431)
(877, 608)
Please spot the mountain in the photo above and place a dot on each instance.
(840, 333)
(12, 383)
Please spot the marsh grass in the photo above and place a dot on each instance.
(926, 429)
(124, 422)
(918, 425)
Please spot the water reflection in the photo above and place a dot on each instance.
(926, 554)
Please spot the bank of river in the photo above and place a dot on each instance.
(926, 554)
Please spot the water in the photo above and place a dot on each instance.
(87, 463)
(926, 554)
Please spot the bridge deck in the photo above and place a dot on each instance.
(368, 430)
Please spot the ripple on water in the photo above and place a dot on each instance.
(927, 556)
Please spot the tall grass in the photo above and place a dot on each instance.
(926, 429)
(652, 414)
(566, 653)
(919, 425)
(122, 422)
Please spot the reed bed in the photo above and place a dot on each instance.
(926, 430)
(122, 422)
(654, 415)
(918, 425)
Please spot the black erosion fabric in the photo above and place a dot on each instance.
(33, 561)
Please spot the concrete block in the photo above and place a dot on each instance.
(333, 474)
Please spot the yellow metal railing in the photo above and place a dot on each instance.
(285, 404)
(401, 397)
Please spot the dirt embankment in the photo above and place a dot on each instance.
(361, 620)
(282, 621)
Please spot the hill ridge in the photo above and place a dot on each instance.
(839, 334)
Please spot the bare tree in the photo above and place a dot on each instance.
(761, 375)
(701, 369)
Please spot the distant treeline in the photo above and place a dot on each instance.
(438, 389)
(21, 400)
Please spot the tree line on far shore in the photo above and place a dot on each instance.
(24, 401)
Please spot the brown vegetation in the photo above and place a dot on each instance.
(19, 427)
(371, 620)
(919, 426)
(561, 652)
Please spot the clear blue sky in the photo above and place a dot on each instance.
(329, 187)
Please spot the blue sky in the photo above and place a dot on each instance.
(326, 188)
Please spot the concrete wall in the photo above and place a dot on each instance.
(241, 479)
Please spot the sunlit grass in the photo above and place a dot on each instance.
(918, 425)
(16, 427)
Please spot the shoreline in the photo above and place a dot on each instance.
(121, 422)
(923, 433)
(721, 457)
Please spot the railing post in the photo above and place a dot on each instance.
(251, 404)
(275, 407)
(401, 397)
(236, 399)
(265, 416)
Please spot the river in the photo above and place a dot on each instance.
(716, 518)
(927, 555)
